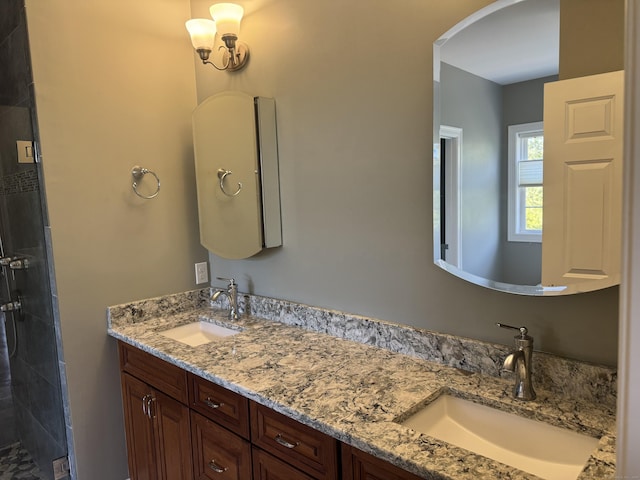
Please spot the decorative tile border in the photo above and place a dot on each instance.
(21, 182)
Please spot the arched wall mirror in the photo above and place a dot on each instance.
(490, 72)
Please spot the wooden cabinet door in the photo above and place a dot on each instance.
(158, 433)
(358, 465)
(139, 429)
(173, 438)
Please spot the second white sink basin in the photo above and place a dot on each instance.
(199, 333)
(547, 451)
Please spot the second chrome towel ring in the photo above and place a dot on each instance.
(222, 174)
(137, 173)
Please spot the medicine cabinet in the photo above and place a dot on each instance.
(236, 160)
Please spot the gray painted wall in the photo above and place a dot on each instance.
(125, 98)
(354, 131)
(484, 110)
(521, 103)
(475, 105)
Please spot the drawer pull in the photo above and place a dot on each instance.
(147, 402)
(216, 468)
(145, 405)
(212, 404)
(150, 410)
(280, 439)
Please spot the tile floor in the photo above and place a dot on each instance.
(16, 464)
(8, 433)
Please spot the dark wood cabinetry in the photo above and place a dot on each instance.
(217, 452)
(358, 465)
(180, 426)
(220, 405)
(268, 467)
(173, 445)
(158, 433)
(139, 429)
(157, 422)
(303, 447)
(158, 373)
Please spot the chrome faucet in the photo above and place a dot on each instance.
(519, 362)
(232, 295)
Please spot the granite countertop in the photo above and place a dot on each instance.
(354, 392)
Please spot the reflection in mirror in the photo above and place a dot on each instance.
(490, 72)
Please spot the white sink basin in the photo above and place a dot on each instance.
(546, 451)
(199, 333)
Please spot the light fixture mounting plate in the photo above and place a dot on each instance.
(242, 57)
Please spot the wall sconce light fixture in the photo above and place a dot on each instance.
(226, 22)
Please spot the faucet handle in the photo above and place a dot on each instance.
(523, 330)
(232, 281)
(5, 261)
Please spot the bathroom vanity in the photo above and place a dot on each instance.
(180, 426)
(279, 401)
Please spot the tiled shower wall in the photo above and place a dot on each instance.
(37, 395)
(8, 434)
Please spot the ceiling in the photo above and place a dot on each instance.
(511, 44)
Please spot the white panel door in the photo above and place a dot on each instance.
(583, 147)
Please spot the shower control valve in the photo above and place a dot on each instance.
(19, 264)
(11, 306)
(5, 261)
(15, 263)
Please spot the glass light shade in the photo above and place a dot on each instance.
(202, 31)
(227, 17)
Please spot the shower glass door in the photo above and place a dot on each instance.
(32, 396)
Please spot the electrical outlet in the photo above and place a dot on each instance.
(202, 275)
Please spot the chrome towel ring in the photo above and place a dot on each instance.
(222, 174)
(137, 173)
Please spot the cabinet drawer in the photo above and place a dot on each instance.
(303, 447)
(358, 465)
(220, 405)
(156, 372)
(218, 453)
(267, 467)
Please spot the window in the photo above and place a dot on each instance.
(525, 182)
